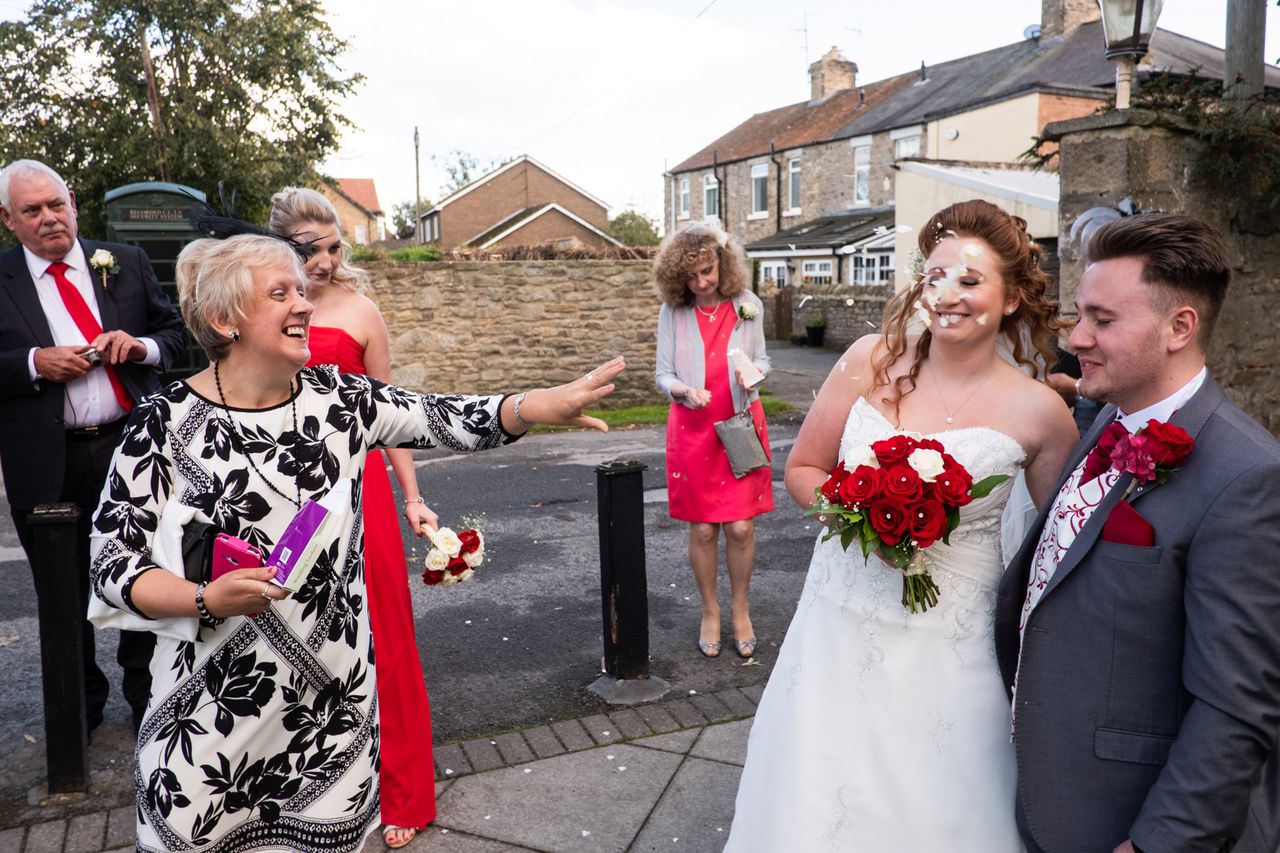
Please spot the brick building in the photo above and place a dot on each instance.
(789, 182)
(356, 200)
(521, 203)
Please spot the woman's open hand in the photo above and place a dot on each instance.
(563, 405)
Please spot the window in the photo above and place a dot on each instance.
(793, 184)
(774, 271)
(862, 174)
(710, 197)
(908, 146)
(760, 190)
(871, 268)
(684, 198)
(884, 274)
(817, 272)
(361, 234)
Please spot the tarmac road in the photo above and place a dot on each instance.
(518, 644)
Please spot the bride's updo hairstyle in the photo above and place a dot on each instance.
(294, 207)
(215, 283)
(685, 250)
(1029, 331)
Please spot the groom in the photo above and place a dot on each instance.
(1139, 625)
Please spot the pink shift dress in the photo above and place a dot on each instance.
(700, 485)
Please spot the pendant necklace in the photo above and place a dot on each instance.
(235, 431)
(951, 416)
(715, 309)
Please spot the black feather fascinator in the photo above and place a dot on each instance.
(216, 224)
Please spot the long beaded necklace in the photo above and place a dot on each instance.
(244, 451)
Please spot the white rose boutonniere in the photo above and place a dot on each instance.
(746, 311)
(105, 263)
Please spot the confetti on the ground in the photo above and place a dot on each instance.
(528, 770)
(693, 692)
(28, 738)
(621, 767)
(9, 640)
(448, 772)
(610, 757)
(586, 833)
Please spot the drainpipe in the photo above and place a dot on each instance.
(719, 172)
(777, 180)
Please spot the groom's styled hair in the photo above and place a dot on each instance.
(1184, 260)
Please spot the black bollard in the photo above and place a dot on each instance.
(55, 558)
(624, 591)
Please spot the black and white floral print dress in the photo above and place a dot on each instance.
(262, 734)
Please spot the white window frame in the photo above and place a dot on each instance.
(907, 146)
(794, 187)
(709, 186)
(818, 268)
(770, 270)
(861, 171)
(759, 179)
(684, 198)
(362, 234)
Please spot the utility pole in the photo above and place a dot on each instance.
(1242, 73)
(153, 100)
(417, 191)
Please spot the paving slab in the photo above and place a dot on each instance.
(513, 748)
(578, 802)
(672, 742)
(122, 824)
(451, 761)
(440, 841)
(11, 839)
(711, 707)
(543, 741)
(572, 735)
(630, 723)
(482, 753)
(684, 712)
(657, 718)
(46, 837)
(724, 742)
(737, 702)
(85, 833)
(695, 812)
(602, 729)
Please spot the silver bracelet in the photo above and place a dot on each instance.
(515, 410)
(204, 611)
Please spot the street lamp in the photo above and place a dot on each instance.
(1127, 26)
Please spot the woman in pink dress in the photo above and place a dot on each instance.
(708, 313)
(347, 330)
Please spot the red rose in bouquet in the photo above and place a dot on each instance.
(858, 487)
(453, 557)
(901, 508)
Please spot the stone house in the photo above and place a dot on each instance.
(870, 161)
(361, 215)
(520, 203)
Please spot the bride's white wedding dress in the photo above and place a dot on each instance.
(880, 729)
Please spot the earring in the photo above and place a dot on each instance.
(1008, 312)
(235, 337)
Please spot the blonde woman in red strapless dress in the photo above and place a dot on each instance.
(708, 312)
(347, 330)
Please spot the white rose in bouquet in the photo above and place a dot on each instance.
(927, 463)
(447, 541)
(437, 560)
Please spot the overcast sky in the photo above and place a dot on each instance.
(609, 93)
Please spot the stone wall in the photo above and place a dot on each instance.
(496, 326)
(1107, 157)
(851, 311)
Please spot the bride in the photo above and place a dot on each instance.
(880, 729)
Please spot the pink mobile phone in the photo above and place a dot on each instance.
(231, 553)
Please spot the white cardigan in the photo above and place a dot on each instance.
(680, 350)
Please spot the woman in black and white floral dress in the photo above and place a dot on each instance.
(261, 732)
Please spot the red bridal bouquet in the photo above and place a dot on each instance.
(896, 498)
(1152, 453)
(454, 557)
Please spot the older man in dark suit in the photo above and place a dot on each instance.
(84, 333)
(1139, 626)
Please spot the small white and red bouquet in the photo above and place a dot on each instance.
(454, 557)
(896, 498)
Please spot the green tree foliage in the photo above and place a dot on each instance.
(402, 218)
(463, 167)
(109, 92)
(633, 228)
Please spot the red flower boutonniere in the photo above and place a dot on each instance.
(1152, 453)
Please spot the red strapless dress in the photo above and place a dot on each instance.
(408, 788)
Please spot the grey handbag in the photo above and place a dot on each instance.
(742, 443)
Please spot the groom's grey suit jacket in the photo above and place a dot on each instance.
(1148, 703)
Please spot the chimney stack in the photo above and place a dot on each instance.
(1061, 16)
(830, 74)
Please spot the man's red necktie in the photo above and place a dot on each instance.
(88, 326)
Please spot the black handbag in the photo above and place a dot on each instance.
(197, 550)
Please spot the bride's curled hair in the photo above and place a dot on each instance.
(1029, 331)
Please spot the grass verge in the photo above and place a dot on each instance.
(656, 415)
